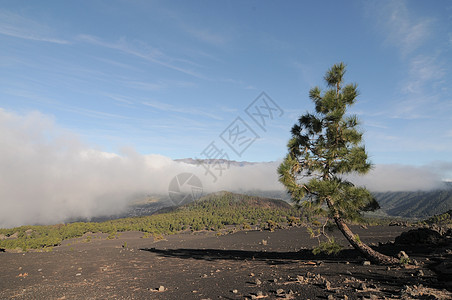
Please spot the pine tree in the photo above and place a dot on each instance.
(324, 148)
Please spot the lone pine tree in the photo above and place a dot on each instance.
(324, 148)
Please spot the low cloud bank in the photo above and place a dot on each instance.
(47, 175)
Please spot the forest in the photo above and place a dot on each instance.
(212, 212)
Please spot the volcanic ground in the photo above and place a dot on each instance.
(204, 265)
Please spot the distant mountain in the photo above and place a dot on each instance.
(412, 204)
(419, 204)
(234, 163)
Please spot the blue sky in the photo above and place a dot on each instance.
(169, 77)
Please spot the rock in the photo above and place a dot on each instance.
(300, 278)
(402, 254)
(161, 288)
(330, 297)
(362, 286)
(327, 285)
(264, 242)
(257, 281)
(310, 275)
(366, 263)
(279, 291)
(419, 236)
(258, 295)
(419, 273)
(78, 274)
(235, 291)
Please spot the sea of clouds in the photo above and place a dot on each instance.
(48, 175)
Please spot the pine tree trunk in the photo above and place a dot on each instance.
(369, 253)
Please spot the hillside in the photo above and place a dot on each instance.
(441, 219)
(415, 204)
(211, 212)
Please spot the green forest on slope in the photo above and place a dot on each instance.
(212, 212)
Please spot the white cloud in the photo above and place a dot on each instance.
(400, 178)
(49, 175)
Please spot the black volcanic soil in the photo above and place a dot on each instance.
(252, 264)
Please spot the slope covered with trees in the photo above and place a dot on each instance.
(212, 212)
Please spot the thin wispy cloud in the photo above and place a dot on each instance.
(401, 28)
(20, 27)
(423, 70)
(207, 36)
(92, 113)
(119, 98)
(148, 53)
(184, 110)
(150, 86)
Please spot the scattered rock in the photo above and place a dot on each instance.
(366, 263)
(257, 281)
(279, 291)
(419, 291)
(419, 273)
(264, 242)
(258, 295)
(327, 285)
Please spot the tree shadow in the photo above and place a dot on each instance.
(270, 257)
